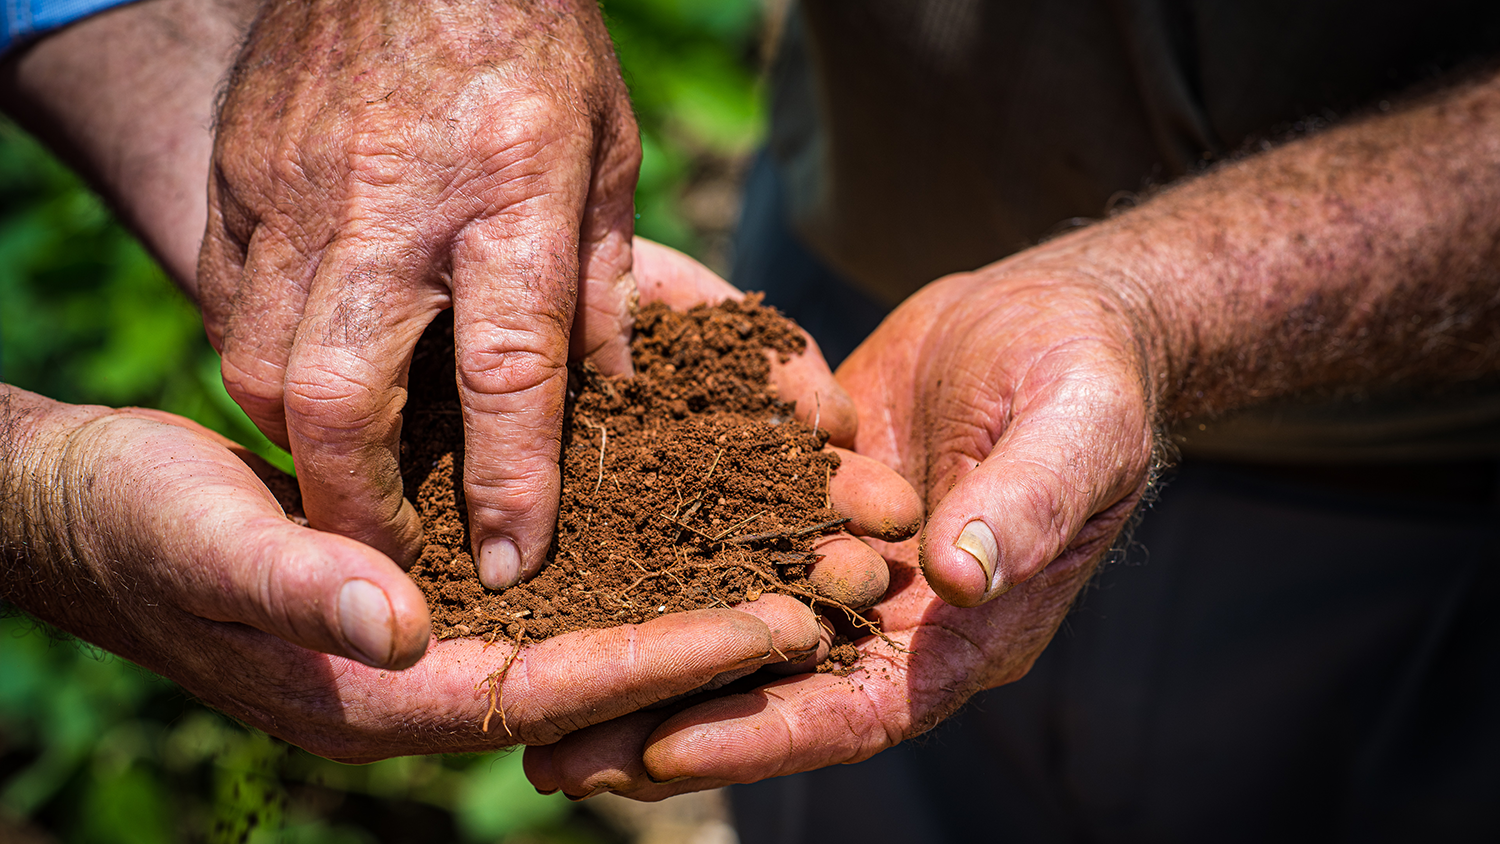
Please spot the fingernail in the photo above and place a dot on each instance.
(979, 541)
(499, 563)
(366, 620)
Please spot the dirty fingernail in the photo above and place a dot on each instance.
(979, 541)
(499, 563)
(365, 619)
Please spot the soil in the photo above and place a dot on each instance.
(688, 485)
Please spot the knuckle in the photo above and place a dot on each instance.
(523, 484)
(515, 127)
(1038, 497)
(286, 165)
(377, 157)
(319, 396)
(513, 369)
(255, 386)
(515, 498)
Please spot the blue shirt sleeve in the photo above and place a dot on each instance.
(23, 20)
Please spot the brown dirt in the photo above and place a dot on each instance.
(689, 485)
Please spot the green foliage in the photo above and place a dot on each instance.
(86, 316)
(94, 749)
(691, 70)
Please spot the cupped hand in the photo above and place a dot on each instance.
(377, 162)
(151, 537)
(1016, 400)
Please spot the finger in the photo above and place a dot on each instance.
(255, 328)
(235, 557)
(346, 385)
(821, 403)
(254, 462)
(221, 258)
(348, 712)
(514, 287)
(1078, 450)
(937, 657)
(604, 757)
(877, 501)
(810, 662)
(622, 669)
(805, 722)
(604, 318)
(796, 634)
(662, 274)
(318, 590)
(793, 625)
(850, 572)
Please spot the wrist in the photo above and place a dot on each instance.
(36, 524)
(1352, 262)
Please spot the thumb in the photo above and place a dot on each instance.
(1061, 482)
(318, 590)
(221, 548)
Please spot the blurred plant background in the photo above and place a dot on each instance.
(94, 749)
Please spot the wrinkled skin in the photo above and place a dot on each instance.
(1008, 395)
(377, 162)
(1020, 400)
(156, 539)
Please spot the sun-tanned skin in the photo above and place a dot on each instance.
(374, 163)
(154, 538)
(377, 162)
(1025, 397)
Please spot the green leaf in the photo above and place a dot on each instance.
(496, 800)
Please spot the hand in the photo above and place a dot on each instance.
(378, 162)
(151, 537)
(1014, 398)
(1021, 400)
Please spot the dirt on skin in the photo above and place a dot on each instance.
(688, 485)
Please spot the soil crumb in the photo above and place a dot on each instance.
(688, 485)
(842, 658)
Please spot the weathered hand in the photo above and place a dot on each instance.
(378, 162)
(149, 536)
(1014, 398)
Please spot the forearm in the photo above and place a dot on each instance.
(127, 97)
(1358, 259)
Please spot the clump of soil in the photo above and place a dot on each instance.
(842, 658)
(688, 485)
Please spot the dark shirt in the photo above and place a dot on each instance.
(916, 139)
